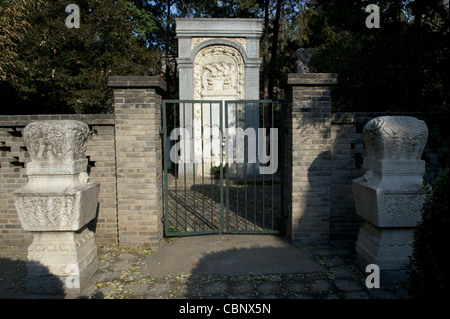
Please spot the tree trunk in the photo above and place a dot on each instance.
(274, 48)
(167, 71)
(265, 50)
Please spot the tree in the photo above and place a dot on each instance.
(163, 38)
(55, 69)
(428, 275)
(13, 25)
(50, 79)
(402, 66)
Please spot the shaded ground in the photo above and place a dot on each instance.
(205, 204)
(240, 271)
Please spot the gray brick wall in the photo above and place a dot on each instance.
(139, 159)
(124, 152)
(307, 158)
(323, 154)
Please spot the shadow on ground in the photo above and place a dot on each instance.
(211, 267)
(265, 272)
(12, 278)
(14, 286)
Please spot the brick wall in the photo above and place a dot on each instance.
(124, 154)
(323, 151)
(139, 158)
(307, 158)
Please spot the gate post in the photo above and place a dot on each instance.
(308, 158)
(138, 104)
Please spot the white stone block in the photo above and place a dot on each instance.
(56, 204)
(390, 195)
(67, 210)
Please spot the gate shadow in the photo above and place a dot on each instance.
(253, 272)
(197, 207)
(14, 286)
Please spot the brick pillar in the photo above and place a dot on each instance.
(138, 105)
(308, 158)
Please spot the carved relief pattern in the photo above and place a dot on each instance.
(219, 74)
(395, 138)
(218, 77)
(218, 70)
(46, 212)
(66, 245)
(401, 206)
(56, 141)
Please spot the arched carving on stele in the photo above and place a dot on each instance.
(219, 70)
(219, 74)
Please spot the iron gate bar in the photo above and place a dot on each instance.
(166, 156)
(194, 216)
(281, 161)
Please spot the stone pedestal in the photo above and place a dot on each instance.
(390, 195)
(56, 205)
(61, 262)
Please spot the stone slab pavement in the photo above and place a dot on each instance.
(214, 267)
(230, 255)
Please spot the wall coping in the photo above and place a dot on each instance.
(137, 82)
(24, 120)
(363, 117)
(8, 120)
(223, 27)
(313, 79)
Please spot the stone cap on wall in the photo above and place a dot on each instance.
(312, 78)
(137, 82)
(24, 120)
(215, 27)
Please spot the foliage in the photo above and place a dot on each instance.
(13, 25)
(143, 19)
(224, 9)
(429, 277)
(57, 70)
(216, 169)
(164, 13)
(402, 66)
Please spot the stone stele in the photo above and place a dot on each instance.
(218, 60)
(390, 196)
(56, 205)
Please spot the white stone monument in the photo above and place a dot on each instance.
(390, 195)
(56, 205)
(218, 60)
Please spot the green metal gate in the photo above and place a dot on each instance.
(206, 188)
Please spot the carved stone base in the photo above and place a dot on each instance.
(389, 248)
(389, 200)
(61, 262)
(51, 206)
(390, 196)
